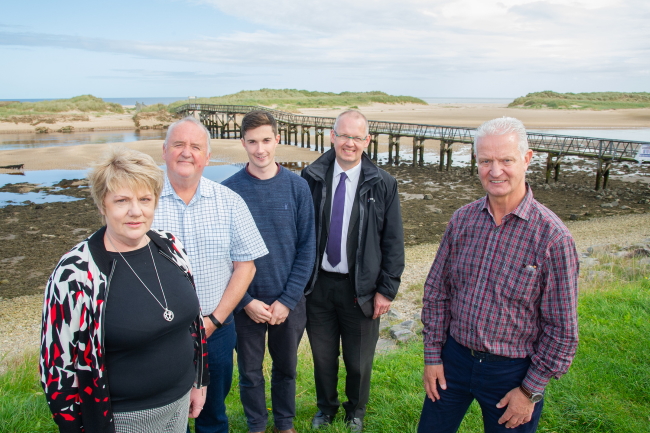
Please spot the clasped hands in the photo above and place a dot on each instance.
(273, 314)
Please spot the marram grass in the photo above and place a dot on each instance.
(606, 389)
(580, 101)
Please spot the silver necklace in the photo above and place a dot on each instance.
(167, 314)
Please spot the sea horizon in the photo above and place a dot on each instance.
(128, 101)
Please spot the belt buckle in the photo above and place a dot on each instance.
(477, 354)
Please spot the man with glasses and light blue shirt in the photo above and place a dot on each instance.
(359, 263)
(221, 240)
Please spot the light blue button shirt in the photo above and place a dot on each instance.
(216, 229)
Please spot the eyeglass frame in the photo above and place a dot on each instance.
(349, 137)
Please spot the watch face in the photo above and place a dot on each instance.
(536, 397)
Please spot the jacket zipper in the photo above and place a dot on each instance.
(318, 238)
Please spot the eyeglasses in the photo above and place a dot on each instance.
(356, 140)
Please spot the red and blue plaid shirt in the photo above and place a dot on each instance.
(509, 290)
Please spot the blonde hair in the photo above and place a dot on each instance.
(122, 167)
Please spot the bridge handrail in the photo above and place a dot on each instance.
(603, 148)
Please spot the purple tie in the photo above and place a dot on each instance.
(336, 223)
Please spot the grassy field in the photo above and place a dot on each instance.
(292, 99)
(606, 389)
(84, 104)
(581, 101)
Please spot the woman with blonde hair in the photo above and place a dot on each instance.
(123, 346)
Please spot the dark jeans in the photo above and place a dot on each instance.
(221, 344)
(469, 379)
(283, 344)
(334, 318)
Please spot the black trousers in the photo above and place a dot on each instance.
(333, 319)
(283, 341)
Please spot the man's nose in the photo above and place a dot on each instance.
(496, 169)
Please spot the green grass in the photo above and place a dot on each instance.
(292, 99)
(83, 103)
(606, 389)
(580, 101)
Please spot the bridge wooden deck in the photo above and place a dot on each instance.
(222, 122)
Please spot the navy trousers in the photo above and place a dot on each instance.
(213, 418)
(467, 379)
(283, 341)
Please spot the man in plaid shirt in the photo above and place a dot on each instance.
(500, 300)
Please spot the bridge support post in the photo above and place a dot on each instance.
(602, 172)
(374, 144)
(231, 117)
(418, 145)
(304, 131)
(293, 133)
(443, 151)
(282, 129)
(221, 125)
(449, 150)
(320, 136)
(393, 141)
(396, 143)
(608, 165)
(553, 164)
(472, 168)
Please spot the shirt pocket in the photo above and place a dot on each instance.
(520, 281)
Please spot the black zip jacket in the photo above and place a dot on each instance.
(379, 259)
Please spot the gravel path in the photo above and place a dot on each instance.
(20, 317)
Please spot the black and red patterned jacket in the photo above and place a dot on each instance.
(72, 363)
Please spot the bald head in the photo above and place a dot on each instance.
(352, 114)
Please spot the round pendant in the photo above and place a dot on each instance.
(168, 315)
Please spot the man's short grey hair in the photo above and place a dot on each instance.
(503, 126)
(355, 113)
(193, 120)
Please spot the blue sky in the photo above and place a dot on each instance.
(432, 48)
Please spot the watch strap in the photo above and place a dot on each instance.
(214, 320)
(527, 393)
(534, 397)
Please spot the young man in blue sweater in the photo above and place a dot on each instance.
(281, 205)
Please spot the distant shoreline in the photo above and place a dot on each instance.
(129, 101)
(449, 114)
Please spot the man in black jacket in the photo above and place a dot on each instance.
(359, 262)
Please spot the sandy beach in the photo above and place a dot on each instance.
(82, 156)
(38, 235)
(229, 151)
(472, 115)
(465, 114)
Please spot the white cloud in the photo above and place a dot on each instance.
(399, 40)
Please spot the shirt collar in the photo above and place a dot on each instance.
(352, 174)
(203, 189)
(523, 210)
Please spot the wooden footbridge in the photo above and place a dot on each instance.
(222, 122)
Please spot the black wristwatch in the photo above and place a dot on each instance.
(214, 320)
(532, 396)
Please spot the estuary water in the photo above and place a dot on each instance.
(31, 141)
(49, 178)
